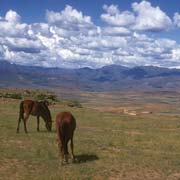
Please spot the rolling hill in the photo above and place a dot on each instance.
(113, 77)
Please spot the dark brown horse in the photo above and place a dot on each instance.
(65, 125)
(35, 108)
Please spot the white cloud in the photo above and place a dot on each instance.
(70, 38)
(150, 18)
(177, 19)
(116, 31)
(9, 29)
(116, 18)
(112, 9)
(144, 17)
(12, 16)
(69, 18)
(11, 25)
(176, 54)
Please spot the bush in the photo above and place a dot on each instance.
(74, 104)
(40, 97)
(12, 95)
(51, 97)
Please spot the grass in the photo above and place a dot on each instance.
(107, 145)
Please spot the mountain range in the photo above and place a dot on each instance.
(107, 78)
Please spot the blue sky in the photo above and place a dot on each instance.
(79, 33)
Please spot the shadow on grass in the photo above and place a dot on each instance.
(83, 158)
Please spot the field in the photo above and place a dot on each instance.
(124, 136)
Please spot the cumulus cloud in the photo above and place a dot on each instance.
(150, 18)
(11, 25)
(144, 17)
(112, 9)
(12, 16)
(70, 38)
(177, 19)
(116, 31)
(116, 18)
(69, 18)
(176, 54)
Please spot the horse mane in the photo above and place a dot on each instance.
(46, 102)
(46, 109)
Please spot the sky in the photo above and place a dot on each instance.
(79, 33)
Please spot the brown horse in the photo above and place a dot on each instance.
(65, 125)
(35, 108)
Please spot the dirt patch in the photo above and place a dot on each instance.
(133, 133)
(110, 109)
(129, 132)
(132, 111)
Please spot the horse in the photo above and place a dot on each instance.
(35, 108)
(65, 126)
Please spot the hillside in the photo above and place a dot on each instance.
(113, 77)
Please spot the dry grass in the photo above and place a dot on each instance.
(108, 145)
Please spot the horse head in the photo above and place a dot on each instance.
(49, 125)
(47, 115)
(46, 102)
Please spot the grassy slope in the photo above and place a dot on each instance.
(110, 146)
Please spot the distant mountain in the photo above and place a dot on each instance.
(113, 77)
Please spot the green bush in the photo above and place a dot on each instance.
(74, 103)
(40, 97)
(51, 97)
(12, 95)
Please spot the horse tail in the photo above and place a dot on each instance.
(65, 137)
(62, 138)
(21, 111)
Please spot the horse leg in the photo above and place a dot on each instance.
(24, 120)
(72, 148)
(19, 121)
(37, 123)
(21, 115)
(66, 154)
(61, 152)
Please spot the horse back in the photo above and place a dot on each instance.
(35, 108)
(65, 124)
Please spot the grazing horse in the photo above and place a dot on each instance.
(65, 125)
(35, 108)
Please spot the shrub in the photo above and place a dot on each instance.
(74, 103)
(40, 97)
(12, 95)
(43, 96)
